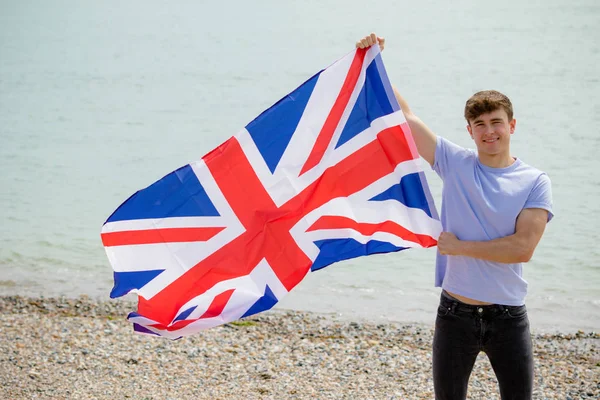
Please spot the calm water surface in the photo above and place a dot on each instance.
(99, 100)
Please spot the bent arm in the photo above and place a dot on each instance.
(424, 137)
(515, 248)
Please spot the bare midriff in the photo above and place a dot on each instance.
(468, 300)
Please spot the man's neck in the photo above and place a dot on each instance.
(497, 160)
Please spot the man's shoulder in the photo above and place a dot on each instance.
(531, 181)
(456, 150)
(530, 171)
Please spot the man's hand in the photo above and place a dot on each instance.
(448, 244)
(370, 40)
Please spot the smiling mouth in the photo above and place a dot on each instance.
(490, 140)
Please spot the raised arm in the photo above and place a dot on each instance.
(424, 138)
(515, 248)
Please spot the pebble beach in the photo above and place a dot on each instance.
(66, 348)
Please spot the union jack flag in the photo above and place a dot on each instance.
(328, 173)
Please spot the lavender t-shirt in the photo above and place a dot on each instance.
(482, 203)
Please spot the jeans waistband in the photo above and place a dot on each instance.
(457, 305)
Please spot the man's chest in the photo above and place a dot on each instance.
(483, 205)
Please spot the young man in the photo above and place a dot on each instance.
(494, 212)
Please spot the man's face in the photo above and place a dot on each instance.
(491, 132)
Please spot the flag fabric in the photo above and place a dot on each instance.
(328, 173)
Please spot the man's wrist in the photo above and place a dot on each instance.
(462, 247)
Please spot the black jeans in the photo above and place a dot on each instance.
(462, 331)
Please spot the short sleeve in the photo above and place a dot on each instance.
(446, 153)
(541, 195)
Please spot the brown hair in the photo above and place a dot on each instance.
(485, 102)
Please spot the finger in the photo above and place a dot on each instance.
(373, 38)
(365, 42)
(381, 41)
(359, 45)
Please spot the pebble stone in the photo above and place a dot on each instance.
(80, 348)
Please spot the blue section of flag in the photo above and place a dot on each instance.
(179, 194)
(333, 250)
(125, 282)
(185, 314)
(266, 302)
(409, 192)
(385, 81)
(273, 129)
(140, 329)
(372, 103)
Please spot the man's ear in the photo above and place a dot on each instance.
(513, 125)
(470, 131)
